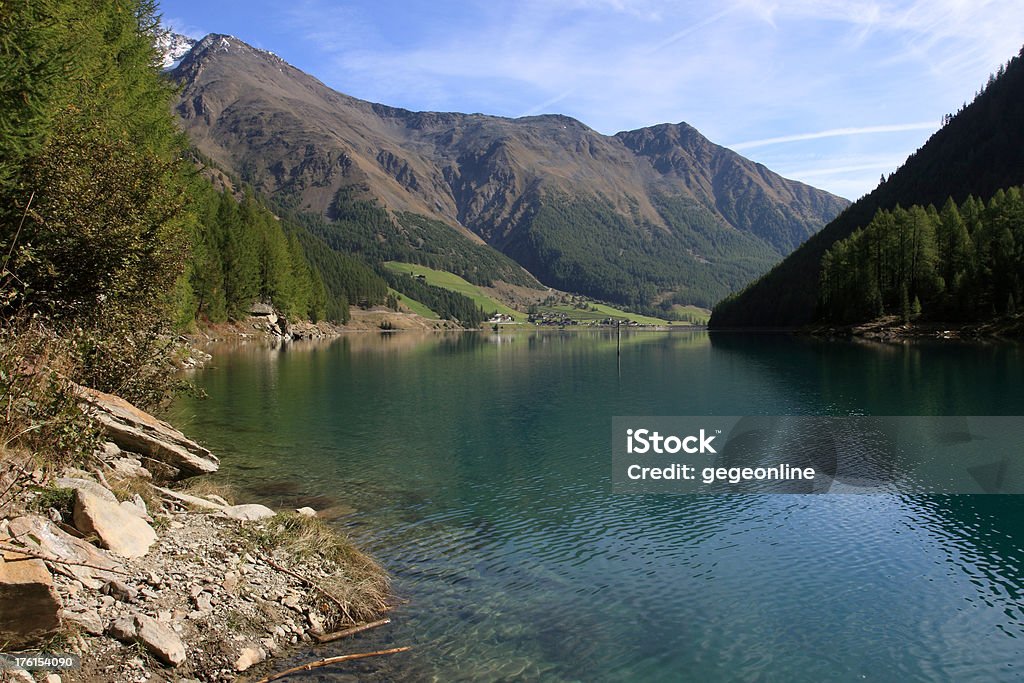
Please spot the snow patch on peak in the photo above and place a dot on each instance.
(218, 42)
(172, 47)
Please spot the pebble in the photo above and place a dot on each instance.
(230, 582)
(120, 591)
(316, 625)
(204, 602)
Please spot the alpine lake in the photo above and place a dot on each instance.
(476, 467)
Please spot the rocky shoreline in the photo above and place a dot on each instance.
(146, 580)
(893, 329)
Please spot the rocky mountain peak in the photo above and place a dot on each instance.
(172, 47)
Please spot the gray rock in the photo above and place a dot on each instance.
(93, 487)
(43, 536)
(119, 590)
(123, 628)
(249, 513)
(316, 624)
(131, 508)
(204, 602)
(130, 468)
(306, 512)
(230, 582)
(120, 532)
(188, 499)
(29, 604)
(261, 309)
(88, 620)
(139, 432)
(160, 640)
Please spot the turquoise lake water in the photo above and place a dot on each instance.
(476, 467)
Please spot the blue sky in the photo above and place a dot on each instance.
(828, 92)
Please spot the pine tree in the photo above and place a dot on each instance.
(241, 259)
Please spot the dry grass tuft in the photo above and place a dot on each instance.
(204, 487)
(354, 578)
(125, 488)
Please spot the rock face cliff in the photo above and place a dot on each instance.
(634, 216)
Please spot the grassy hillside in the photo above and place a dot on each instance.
(585, 312)
(596, 312)
(413, 305)
(454, 283)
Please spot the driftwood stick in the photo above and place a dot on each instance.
(338, 635)
(102, 478)
(330, 660)
(46, 558)
(310, 583)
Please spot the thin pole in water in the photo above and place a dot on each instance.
(618, 344)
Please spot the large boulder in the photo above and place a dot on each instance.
(46, 538)
(93, 487)
(29, 604)
(119, 531)
(137, 431)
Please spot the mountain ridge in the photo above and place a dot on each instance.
(664, 194)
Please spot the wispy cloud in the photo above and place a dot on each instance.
(691, 29)
(887, 164)
(183, 27)
(836, 133)
(761, 72)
